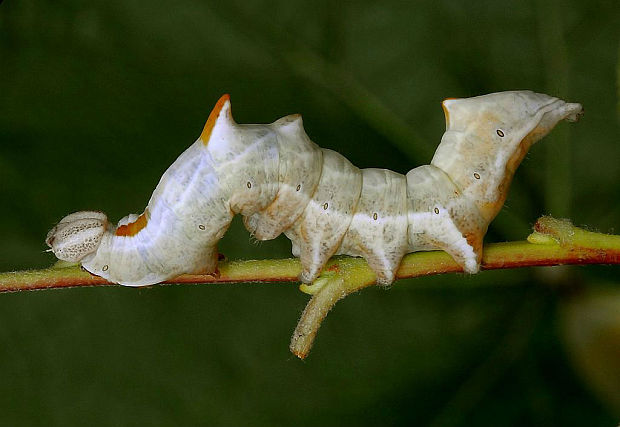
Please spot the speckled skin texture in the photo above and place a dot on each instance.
(281, 182)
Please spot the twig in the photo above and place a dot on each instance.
(553, 242)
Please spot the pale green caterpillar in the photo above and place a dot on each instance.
(281, 182)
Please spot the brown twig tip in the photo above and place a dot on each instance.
(586, 247)
(553, 242)
(562, 229)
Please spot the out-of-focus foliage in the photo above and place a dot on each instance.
(98, 98)
(592, 334)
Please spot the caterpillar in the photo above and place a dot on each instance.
(282, 182)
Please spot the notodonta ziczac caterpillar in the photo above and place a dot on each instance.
(282, 182)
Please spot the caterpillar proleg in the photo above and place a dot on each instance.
(282, 182)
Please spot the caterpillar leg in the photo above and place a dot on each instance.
(440, 232)
(378, 231)
(318, 232)
(441, 218)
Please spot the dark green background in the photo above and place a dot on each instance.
(98, 98)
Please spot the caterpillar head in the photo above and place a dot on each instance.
(488, 136)
(77, 235)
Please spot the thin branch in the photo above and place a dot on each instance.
(553, 242)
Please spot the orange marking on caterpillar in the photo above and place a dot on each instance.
(445, 110)
(132, 228)
(215, 114)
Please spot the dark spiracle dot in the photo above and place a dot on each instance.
(500, 133)
(202, 227)
(298, 187)
(375, 216)
(476, 175)
(325, 206)
(105, 268)
(249, 184)
(436, 210)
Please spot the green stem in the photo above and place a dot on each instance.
(553, 242)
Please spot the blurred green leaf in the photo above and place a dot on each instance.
(590, 324)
